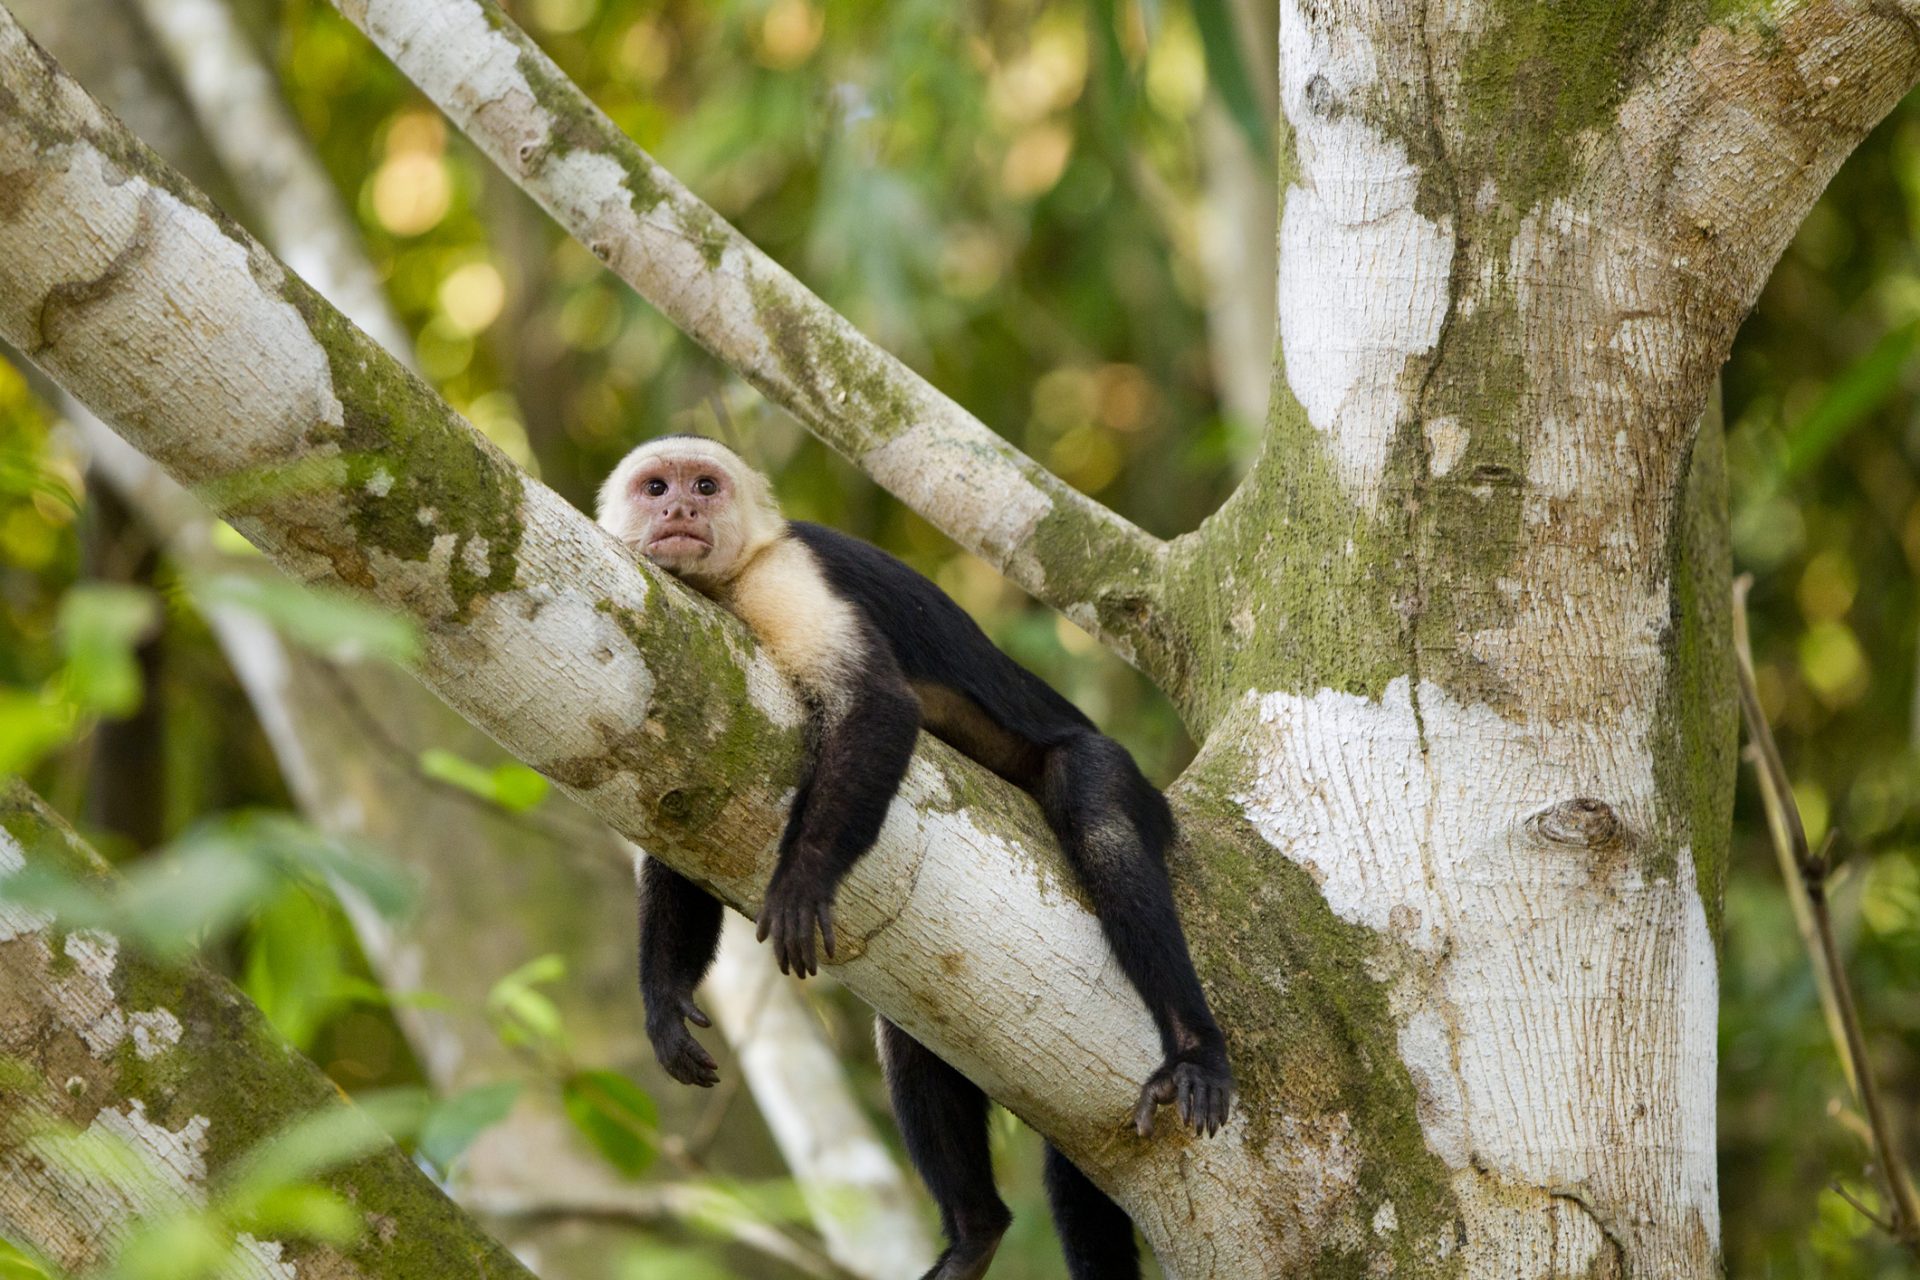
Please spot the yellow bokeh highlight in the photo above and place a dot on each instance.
(563, 17)
(1036, 160)
(472, 296)
(1827, 587)
(411, 192)
(645, 51)
(971, 263)
(1834, 664)
(1176, 70)
(1048, 77)
(790, 33)
(1086, 458)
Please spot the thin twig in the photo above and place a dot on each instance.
(1840, 1189)
(652, 1206)
(1805, 872)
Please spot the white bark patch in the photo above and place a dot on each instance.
(15, 920)
(1446, 442)
(154, 1032)
(1561, 1030)
(180, 1154)
(254, 363)
(1363, 275)
(85, 996)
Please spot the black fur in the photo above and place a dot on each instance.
(927, 664)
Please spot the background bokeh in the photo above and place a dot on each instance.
(1017, 198)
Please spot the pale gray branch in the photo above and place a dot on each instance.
(522, 110)
(651, 707)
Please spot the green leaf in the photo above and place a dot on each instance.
(616, 1116)
(101, 624)
(310, 1145)
(453, 1124)
(305, 1209)
(1227, 69)
(512, 785)
(295, 965)
(651, 1261)
(31, 725)
(18, 1264)
(1854, 394)
(523, 1015)
(328, 622)
(186, 1246)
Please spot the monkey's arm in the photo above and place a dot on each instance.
(864, 734)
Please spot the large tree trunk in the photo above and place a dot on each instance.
(1455, 652)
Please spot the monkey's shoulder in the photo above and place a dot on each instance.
(810, 630)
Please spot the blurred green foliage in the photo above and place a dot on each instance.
(1005, 195)
(1823, 406)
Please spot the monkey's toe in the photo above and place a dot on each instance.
(966, 1259)
(790, 921)
(683, 1057)
(1201, 1092)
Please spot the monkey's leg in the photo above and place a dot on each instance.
(679, 935)
(943, 1118)
(1095, 1233)
(1115, 828)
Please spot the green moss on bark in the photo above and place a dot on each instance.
(418, 481)
(230, 1068)
(1309, 1024)
(1696, 741)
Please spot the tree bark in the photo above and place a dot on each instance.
(348, 736)
(172, 1061)
(1456, 652)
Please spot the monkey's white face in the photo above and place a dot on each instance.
(690, 506)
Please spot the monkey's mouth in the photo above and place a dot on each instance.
(678, 543)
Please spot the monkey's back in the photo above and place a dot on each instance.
(934, 640)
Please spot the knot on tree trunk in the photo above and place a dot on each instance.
(1582, 823)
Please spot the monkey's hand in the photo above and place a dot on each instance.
(1195, 1081)
(795, 904)
(679, 1053)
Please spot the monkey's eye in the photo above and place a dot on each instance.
(705, 487)
(655, 487)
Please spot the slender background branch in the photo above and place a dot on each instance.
(750, 312)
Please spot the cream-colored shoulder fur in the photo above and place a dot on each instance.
(810, 632)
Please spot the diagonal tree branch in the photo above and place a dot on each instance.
(544, 133)
(964, 924)
(855, 1191)
(172, 1061)
(240, 111)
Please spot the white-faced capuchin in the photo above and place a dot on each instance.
(879, 652)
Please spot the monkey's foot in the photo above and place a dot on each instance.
(1198, 1084)
(680, 1055)
(792, 909)
(966, 1259)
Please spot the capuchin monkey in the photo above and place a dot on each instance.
(880, 652)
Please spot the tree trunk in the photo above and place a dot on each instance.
(1455, 652)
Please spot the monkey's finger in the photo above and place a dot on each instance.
(1184, 1102)
(764, 925)
(805, 932)
(826, 928)
(693, 1012)
(1156, 1093)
